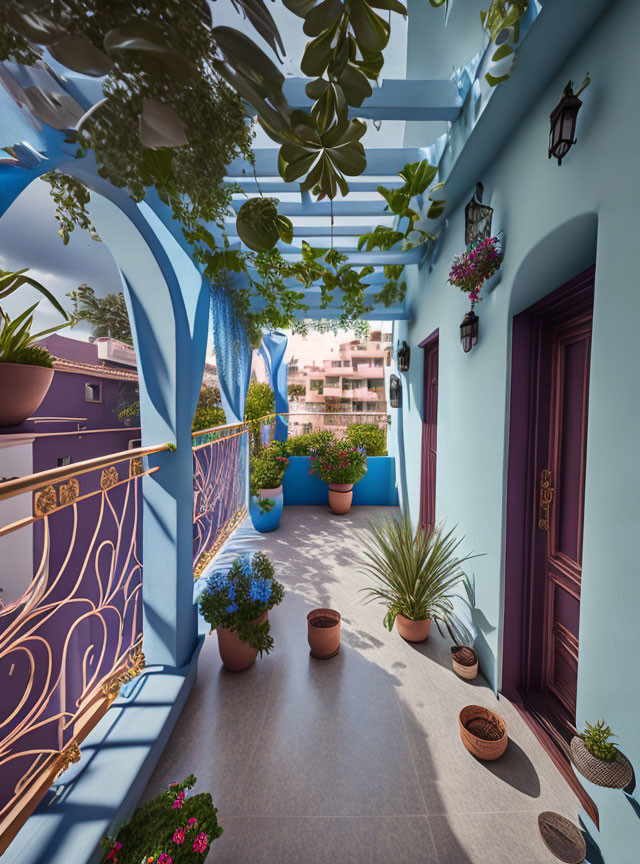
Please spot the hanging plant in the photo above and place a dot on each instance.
(471, 269)
(260, 226)
(502, 23)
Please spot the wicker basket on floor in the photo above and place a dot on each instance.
(562, 838)
(615, 774)
(483, 732)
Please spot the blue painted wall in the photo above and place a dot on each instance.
(378, 486)
(557, 221)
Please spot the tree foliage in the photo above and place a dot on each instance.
(107, 315)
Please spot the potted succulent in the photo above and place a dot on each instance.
(483, 732)
(268, 466)
(236, 605)
(26, 370)
(340, 465)
(598, 759)
(323, 633)
(416, 576)
(172, 828)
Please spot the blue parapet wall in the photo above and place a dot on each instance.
(378, 486)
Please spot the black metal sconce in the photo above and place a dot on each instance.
(395, 391)
(563, 121)
(469, 331)
(477, 218)
(404, 357)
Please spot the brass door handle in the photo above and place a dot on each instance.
(546, 495)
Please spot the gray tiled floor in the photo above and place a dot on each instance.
(357, 759)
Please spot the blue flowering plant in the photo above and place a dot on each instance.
(235, 600)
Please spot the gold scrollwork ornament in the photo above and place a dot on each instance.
(136, 661)
(45, 501)
(69, 757)
(109, 477)
(68, 492)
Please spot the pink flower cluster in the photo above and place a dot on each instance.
(472, 268)
(112, 855)
(177, 804)
(201, 842)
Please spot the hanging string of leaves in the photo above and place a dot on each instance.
(418, 177)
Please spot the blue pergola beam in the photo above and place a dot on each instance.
(383, 161)
(307, 207)
(306, 231)
(276, 185)
(396, 99)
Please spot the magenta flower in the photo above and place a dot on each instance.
(164, 859)
(178, 836)
(191, 823)
(201, 842)
(177, 804)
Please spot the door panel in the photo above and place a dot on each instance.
(571, 348)
(429, 434)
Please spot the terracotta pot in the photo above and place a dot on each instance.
(234, 653)
(324, 641)
(22, 389)
(461, 664)
(413, 631)
(340, 497)
(483, 732)
(614, 774)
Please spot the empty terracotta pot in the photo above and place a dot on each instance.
(483, 732)
(235, 654)
(22, 389)
(340, 497)
(413, 631)
(465, 661)
(323, 632)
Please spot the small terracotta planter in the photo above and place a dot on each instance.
(340, 497)
(465, 662)
(413, 631)
(22, 389)
(235, 654)
(323, 633)
(483, 732)
(614, 774)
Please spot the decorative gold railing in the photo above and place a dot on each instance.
(73, 636)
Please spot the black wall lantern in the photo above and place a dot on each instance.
(563, 121)
(395, 391)
(469, 331)
(404, 357)
(477, 218)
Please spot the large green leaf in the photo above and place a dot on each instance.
(145, 44)
(260, 226)
(322, 17)
(370, 30)
(11, 281)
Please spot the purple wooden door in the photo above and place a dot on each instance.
(560, 510)
(429, 433)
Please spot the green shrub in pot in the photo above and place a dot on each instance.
(268, 466)
(369, 436)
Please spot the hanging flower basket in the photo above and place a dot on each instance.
(471, 269)
(613, 773)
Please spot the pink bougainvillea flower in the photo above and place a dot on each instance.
(177, 804)
(178, 836)
(201, 842)
(164, 859)
(192, 823)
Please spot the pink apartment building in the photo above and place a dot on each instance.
(351, 381)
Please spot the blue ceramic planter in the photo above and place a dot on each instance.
(263, 521)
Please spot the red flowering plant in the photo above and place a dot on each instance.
(471, 269)
(170, 829)
(339, 462)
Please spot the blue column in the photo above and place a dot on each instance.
(169, 310)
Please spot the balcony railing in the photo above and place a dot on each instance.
(75, 633)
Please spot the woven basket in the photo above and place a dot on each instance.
(562, 838)
(464, 661)
(612, 775)
(483, 732)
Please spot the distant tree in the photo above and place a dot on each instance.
(108, 315)
(209, 397)
(296, 389)
(260, 401)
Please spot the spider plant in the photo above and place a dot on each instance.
(417, 574)
(16, 339)
(11, 281)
